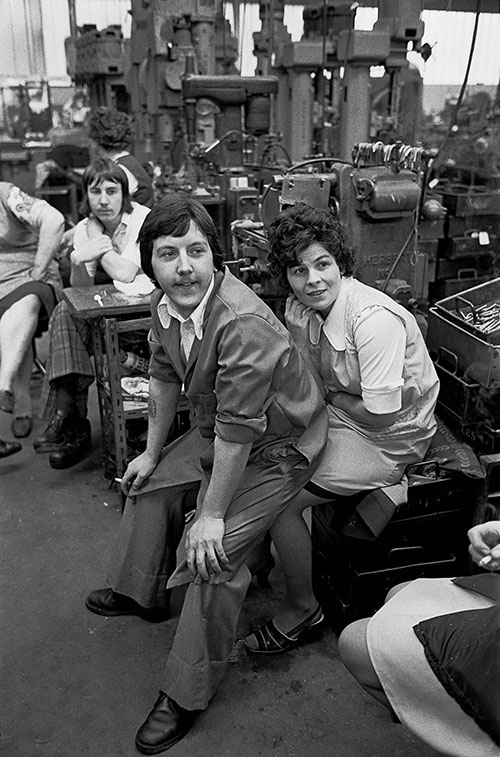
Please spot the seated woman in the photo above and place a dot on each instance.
(31, 232)
(370, 359)
(106, 239)
(430, 654)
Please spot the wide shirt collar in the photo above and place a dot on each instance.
(167, 311)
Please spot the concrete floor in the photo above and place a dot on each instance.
(74, 684)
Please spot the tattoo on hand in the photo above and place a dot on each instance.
(151, 408)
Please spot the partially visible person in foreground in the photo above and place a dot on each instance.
(30, 287)
(431, 654)
(372, 365)
(260, 429)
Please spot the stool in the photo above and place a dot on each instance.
(425, 537)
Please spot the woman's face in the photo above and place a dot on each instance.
(105, 200)
(316, 278)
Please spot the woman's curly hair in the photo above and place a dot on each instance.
(294, 229)
(110, 128)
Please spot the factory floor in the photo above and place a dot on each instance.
(74, 684)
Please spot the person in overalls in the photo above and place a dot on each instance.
(260, 426)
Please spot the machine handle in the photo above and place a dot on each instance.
(453, 359)
(468, 304)
(413, 468)
(467, 273)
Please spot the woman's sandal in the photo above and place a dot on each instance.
(270, 640)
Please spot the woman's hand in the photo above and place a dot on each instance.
(484, 545)
(204, 551)
(296, 312)
(302, 322)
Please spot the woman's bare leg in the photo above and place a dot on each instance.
(17, 328)
(23, 404)
(353, 649)
(292, 541)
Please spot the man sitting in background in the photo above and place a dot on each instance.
(106, 241)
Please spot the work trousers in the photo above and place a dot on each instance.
(70, 348)
(151, 528)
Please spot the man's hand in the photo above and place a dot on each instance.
(94, 249)
(204, 550)
(484, 545)
(94, 229)
(137, 473)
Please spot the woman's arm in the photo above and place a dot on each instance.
(50, 233)
(355, 408)
(380, 344)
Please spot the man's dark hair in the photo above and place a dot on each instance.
(172, 217)
(103, 169)
(294, 229)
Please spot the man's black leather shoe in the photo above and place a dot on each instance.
(54, 435)
(110, 603)
(166, 724)
(9, 448)
(78, 443)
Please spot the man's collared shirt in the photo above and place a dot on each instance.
(192, 327)
(124, 239)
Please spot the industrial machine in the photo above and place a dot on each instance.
(313, 126)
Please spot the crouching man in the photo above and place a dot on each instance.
(260, 428)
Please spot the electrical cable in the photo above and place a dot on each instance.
(269, 149)
(464, 84)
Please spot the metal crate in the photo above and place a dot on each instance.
(464, 308)
(478, 359)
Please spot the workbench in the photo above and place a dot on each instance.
(111, 314)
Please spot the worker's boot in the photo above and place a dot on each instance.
(54, 435)
(78, 441)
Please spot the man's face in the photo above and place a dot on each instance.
(105, 200)
(183, 267)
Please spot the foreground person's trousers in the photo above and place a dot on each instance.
(207, 626)
(144, 556)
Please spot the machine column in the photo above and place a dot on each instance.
(355, 113)
(302, 95)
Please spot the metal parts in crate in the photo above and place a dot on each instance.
(463, 338)
(426, 537)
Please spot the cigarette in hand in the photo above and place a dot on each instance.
(485, 561)
(98, 299)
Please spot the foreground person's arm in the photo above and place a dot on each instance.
(205, 553)
(162, 407)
